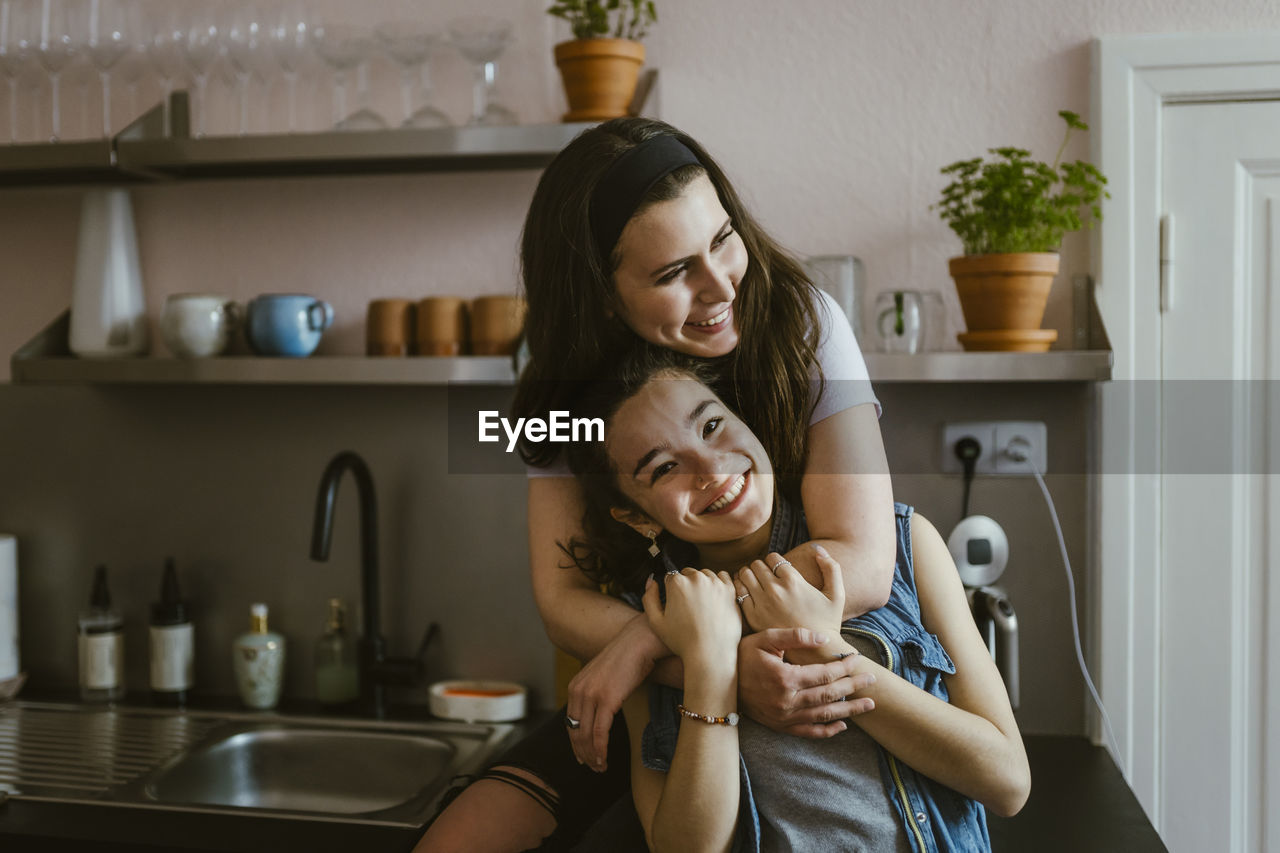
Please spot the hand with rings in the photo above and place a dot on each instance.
(773, 594)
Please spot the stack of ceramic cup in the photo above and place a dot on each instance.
(444, 326)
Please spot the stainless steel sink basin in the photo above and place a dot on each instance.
(304, 769)
(313, 768)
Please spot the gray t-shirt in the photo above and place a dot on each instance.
(820, 795)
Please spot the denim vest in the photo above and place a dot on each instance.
(934, 817)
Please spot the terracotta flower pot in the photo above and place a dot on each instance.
(1004, 292)
(599, 76)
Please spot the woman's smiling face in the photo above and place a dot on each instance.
(681, 263)
(689, 463)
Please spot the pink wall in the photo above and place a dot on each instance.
(833, 117)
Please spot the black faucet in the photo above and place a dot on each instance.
(376, 669)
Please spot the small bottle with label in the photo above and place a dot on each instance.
(101, 645)
(337, 678)
(258, 657)
(172, 643)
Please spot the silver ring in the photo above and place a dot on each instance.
(571, 723)
(672, 572)
(743, 597)
(780, 564)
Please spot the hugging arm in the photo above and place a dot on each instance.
(588, 624)
(848, 504)
(970, 744)
(621, 649)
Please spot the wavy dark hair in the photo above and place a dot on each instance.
(608, 551)
(573, 328)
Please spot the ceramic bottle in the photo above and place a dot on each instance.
(258, 657)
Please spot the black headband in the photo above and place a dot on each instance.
(625, 183)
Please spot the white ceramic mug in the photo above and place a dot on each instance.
(198, 325)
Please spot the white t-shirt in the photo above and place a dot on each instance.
(847, 382)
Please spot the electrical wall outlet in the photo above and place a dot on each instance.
(996, 438)
(1026, 438)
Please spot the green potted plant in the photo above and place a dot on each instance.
(600, 65)
(1011, 213)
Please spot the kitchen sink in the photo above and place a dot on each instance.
(292, 768)
(312, 768)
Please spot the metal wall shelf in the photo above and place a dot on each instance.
(46, 359)
(147, 151)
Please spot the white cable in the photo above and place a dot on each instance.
(1017, 455)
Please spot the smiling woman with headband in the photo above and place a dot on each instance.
(635, 235)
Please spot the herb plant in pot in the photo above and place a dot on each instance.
(1011, 213)
(601, 64)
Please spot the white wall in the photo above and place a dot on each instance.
(833, 117)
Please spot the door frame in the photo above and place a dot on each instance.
(1133, 78)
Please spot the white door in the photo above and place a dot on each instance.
(1219, 631)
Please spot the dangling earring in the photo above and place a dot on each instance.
(654, 550)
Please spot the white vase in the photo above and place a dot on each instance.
(108, 308)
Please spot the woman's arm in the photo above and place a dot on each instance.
(622, 649)
(588, 624)
(694, 806)
(848, 504)
(970, 744)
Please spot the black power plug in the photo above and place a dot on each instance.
(967, 450)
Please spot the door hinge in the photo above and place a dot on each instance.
(1166, 262)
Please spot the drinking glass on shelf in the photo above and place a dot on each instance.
(56, 48)
(15, 52)
(111, 24)
(200, 49)
(481, 40)
(166, 48)
(290, 40)
(134, 65)
(410, 45)
(345, 47)
(246, 46)
(365, 117)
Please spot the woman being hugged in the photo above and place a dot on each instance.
(938, 740)
(635, 235)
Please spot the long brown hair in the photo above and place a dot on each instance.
(606, 550)
(573, 329)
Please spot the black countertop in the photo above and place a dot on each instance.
(1079, 802)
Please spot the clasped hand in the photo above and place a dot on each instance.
(789, 615)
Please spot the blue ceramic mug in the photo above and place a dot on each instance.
(288, 324)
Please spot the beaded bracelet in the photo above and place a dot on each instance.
(731, 719)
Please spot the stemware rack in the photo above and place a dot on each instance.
(153, 149)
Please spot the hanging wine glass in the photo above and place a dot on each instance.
(111, 24)
(200, 49)
(410, 45)
(482, 40)
(345, 47)
(290, 40)
(56, 47)
(246, 44)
